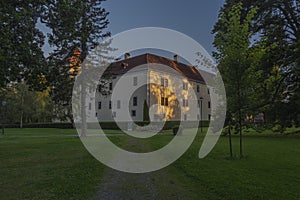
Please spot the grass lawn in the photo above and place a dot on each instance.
(44, 167)
(53, 164)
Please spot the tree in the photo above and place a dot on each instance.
(21, 56)
(146, 116)
(276, 24)
(76, 25)
(235, 63)
(27, 106)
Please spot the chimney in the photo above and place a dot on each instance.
(176, 58)
(127, 56)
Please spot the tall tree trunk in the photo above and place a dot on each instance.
(22, 112)
(241, 134)
(21, 120)
(230, 140)
(240, 118)
(84, 49)
(83, 110)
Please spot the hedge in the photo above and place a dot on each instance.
(106, 125)
(42, 125)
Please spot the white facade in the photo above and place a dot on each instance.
(154, 85)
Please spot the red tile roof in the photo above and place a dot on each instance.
(188, 71)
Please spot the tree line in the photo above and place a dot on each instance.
(26, 72)
(258, 50)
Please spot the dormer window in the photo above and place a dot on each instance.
(185, 86)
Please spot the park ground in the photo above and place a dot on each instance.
(53, 164)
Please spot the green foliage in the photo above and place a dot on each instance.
(237, 60)
(76, 25)
(146, 117)
(276, 28)
(177, 130)
(42, 125)
(26, 106)
(237, 64)
(21, 56)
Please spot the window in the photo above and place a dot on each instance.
(96, 114)
(135, 81)
(209, 117)
(135, 101)
(118, 104)
(164, 101)
(198, 88)
(185, 103)
(110, 86)
(185, 117)
(164, 82)
(109, 104)
(90, 106)
(133, 113)
(185, 86)
(209, 105)
(99, 105)
(208, 91)
(198, 117)
(99, 88)
(114, 114)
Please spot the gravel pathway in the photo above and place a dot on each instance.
(161, 184)
(119, 185)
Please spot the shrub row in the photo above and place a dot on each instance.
(42, 125)
(105, 125)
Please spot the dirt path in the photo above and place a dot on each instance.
(156, 185)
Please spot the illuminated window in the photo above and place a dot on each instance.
(185, 103)
(164, 82)
(185, 86)
(164, 101)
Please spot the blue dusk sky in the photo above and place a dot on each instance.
(195, 18)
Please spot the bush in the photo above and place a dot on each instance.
(177, 130)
